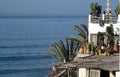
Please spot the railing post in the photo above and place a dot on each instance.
(103, 16)
(118, 18)
(89, 19)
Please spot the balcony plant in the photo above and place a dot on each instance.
(92, 49)
(100, 42)
(110, 38)
(95, 9)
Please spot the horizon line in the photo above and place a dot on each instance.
(45, 16)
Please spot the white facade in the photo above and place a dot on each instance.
(94, 28)
(83, 72)
(117, 74)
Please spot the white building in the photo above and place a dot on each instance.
(94, 26)
(99, 24)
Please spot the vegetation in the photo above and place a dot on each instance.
(100, 39)
(64, 52)
(117, 10)
(95, 9)
(82, 32)
(59, 51)
(110, 36)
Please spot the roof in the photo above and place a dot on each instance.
(110, 63)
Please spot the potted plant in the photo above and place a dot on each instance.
(81, 50)
(110, 38)
(87, 48)
(92, 48)
(95, 9)
(100, 42)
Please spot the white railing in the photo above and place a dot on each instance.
(106, 19)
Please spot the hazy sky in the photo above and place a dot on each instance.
(49, 7)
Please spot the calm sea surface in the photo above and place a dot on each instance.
(24, 41)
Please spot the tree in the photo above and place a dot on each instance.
(64, 52)
(95, 9)
(59, 51)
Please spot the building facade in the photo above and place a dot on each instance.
(99, 24)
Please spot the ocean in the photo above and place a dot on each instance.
(24, 41)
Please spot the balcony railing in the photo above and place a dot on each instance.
(106, 19)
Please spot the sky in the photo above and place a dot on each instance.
(49, 7)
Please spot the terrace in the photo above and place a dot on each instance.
(108, 19)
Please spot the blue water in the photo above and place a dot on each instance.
(24, 41)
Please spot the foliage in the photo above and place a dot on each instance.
(110, 36)
(59, 51)
(109, 31)
(95, 9)
(64, 52)
(67, 51)
(100, 39)
(83, 32)
(117, 10)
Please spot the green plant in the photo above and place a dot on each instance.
(64, 52)
(95, 9)
(59, 51)
(82, 32)
(100, 38)
(110, 36)
(92, 48)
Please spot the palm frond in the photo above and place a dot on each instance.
(76, 41)
(62, 50)
(56, 51)
(85, 27)
(74, 38)
(80, 31)
(52, 55)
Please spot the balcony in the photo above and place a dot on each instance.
(104, 19)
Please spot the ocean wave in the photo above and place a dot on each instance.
(18, 58)
(27, 39)
(10, 71)
(24, 46)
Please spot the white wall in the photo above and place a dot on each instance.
(83, 72)
(118, 74)
(94, 28)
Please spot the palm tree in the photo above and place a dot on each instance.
(64, 52)
(59, 51)
(83, 37)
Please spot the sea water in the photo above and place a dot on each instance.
(24, 41)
